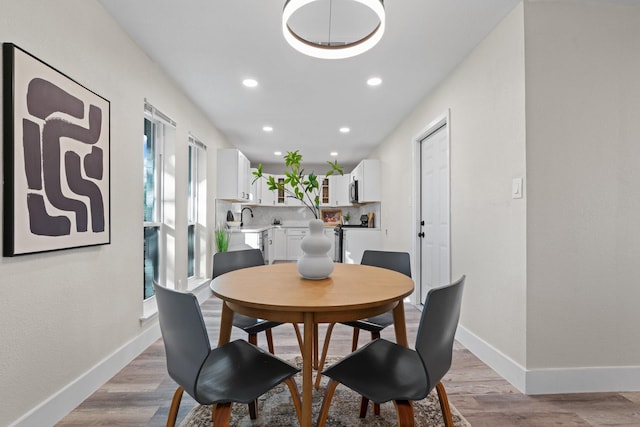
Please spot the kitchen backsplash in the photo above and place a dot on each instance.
(288, 216)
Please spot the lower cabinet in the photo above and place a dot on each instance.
(294, 240)
(279, 244)
(286, 243)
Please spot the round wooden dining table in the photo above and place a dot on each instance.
(277, 292)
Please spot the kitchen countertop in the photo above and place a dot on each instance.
(250, 229)
(261, 228)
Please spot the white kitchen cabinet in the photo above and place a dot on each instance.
(356, 240)
(260, 193)
(292, 201)
(283, 198)
(294, 240)
(330, 234)
(279, 244)
(367, 173)
(267, 246)
(255, 188)
(280, 198)
(339, 190)
(325, 190)
(268, 197)
(233, 176)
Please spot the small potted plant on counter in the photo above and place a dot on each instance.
(315, 262)
(347, 217)
(222, 239)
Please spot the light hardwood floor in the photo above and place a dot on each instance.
(140, 394)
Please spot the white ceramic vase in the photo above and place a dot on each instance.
(315, 262)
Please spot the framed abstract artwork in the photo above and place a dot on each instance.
(56, 154)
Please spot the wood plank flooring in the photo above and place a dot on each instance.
(141, 393)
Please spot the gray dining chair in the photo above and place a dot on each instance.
(397, 261)
(224, 262)
(234, 372)
(382, 371)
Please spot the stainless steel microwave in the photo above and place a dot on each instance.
(353, 191)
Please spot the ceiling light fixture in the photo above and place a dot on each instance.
(277, 153)
(267, 128)
(374, 81)
(345, 129)
(250, 82)
(334, 153)
(328, 49)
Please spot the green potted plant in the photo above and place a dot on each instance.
(315, 263)
(222, 239)
(347, 217)
(298, 185)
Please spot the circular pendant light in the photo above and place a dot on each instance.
(327, 50)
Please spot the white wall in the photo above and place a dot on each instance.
(485, 96)
(583, 156)
(64, 313)
(552, 95)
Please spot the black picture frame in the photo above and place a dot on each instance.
(56, 159)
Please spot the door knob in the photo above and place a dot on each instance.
(421, 234)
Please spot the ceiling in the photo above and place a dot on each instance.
(209, 46)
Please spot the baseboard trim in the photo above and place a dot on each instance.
(554, 380)
(583, 380)
(496, 360)
(64, 401)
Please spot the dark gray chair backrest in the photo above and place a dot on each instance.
(437, 329)
(397, 261)
(224, 262)
(184, 334)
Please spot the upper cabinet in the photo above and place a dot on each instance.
(339, 190)
(367, 174)
(260, 193)
(233, 181)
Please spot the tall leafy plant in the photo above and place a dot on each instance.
(296, 184)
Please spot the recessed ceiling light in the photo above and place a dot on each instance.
(267, 128)
(334, 153)
(374, 81)
(345, 129)
(277, 153)
(250, 82)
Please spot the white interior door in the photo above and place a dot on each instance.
(434, 230)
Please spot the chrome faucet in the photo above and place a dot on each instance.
(241, 212)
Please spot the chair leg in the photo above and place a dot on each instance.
(374, 335)
(364, 404)
(295, 395)
(354, 341)
(175, 405)
(315, 346)
(405, 413)
(298, 336)
(253, 410)
(323, 358)
(253, 339)
(221, 414)
(326, 402)
(444, 405)
(269, 340)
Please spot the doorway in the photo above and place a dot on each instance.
(433, 231)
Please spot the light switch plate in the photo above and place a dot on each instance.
(516, 188)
